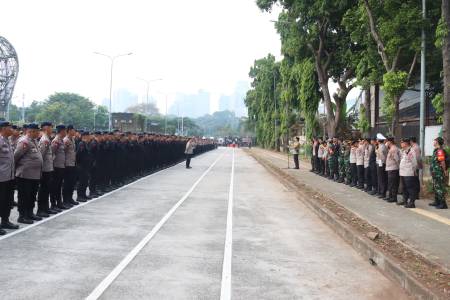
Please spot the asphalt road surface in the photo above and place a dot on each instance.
(225, 229)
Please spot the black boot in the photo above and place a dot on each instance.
(9, 225)
(442, 205)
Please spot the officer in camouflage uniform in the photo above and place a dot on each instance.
(332, 159)
(438, 170)
(341, 162)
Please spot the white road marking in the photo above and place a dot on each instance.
(225, 291)
(100, 289)
(13, 233)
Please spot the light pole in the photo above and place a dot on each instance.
(147, 82)
(112, 59)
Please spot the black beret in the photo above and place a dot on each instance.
(98, 132)
(5, 124)
(84, 133)
(406, 140)
(33, 126)
(69, 127)
(15, 127)
(25, 126)
(60, 127)
(46, 124)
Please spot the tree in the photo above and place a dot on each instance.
(391, 28)
(149, 109)
(445, 36)
(318, 31)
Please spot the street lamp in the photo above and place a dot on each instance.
(148, 90)
(112, 59)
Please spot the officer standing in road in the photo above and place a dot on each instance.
(44, 209)
(190, 146)
(6, 177)
(59, 160)
(28, 161)
(439, 173)
(70, 172)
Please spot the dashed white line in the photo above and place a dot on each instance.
(225, 291)
(100, 289)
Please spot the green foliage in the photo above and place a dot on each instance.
(363, 123)
(438, 104)
(394, 84)
(441, 33)
(309, 95)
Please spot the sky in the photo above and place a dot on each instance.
(191, 45)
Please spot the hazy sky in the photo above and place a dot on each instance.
(192, 45)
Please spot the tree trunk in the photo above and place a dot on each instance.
(396, 127)
(366, 104)
(323, 83)
(446, 65)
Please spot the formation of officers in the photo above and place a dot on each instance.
(47, 165)
(378, 166)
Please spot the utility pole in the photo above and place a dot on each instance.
(422, 83)
(112, 59)
(165, 119)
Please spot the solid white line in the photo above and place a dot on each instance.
(13, 233)
(225, 291)
(100, 289)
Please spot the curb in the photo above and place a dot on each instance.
(388, 265)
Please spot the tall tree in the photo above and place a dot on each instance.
(319, 28)
(445, 28)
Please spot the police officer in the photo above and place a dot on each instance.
(6, 177)
(83, 164)
(392, 169)
(59, 161)
(190, 146)
(439, 173)
(408, 169)
(360, 164)
(381, 163)
(70, 172)
(295, 148)
(28, 161)
(47, 171)
(373, 167)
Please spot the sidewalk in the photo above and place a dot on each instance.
(425, 229)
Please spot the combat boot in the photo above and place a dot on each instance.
(24, 220)
(443, 205)
(2, 232)
(9, 225)
(410, 205)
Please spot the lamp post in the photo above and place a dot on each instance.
(147, 82)
(112, 59)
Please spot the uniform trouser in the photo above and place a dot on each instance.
(70, 179)
(44, 191)
(410, 188)
(58, 178)
(368, 178)
(6, 199)
(27, 189)
(313, 160)
(83, 179)
(393, 181)
(374, 176)
(354, 172)
(188, 160)
(93, 181)
(382, 180)
(317, 164)
(296, 161)
(360, 176)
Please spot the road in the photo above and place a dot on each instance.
(224, 229)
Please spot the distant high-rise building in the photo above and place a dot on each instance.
(193, 106)
(235, 102)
